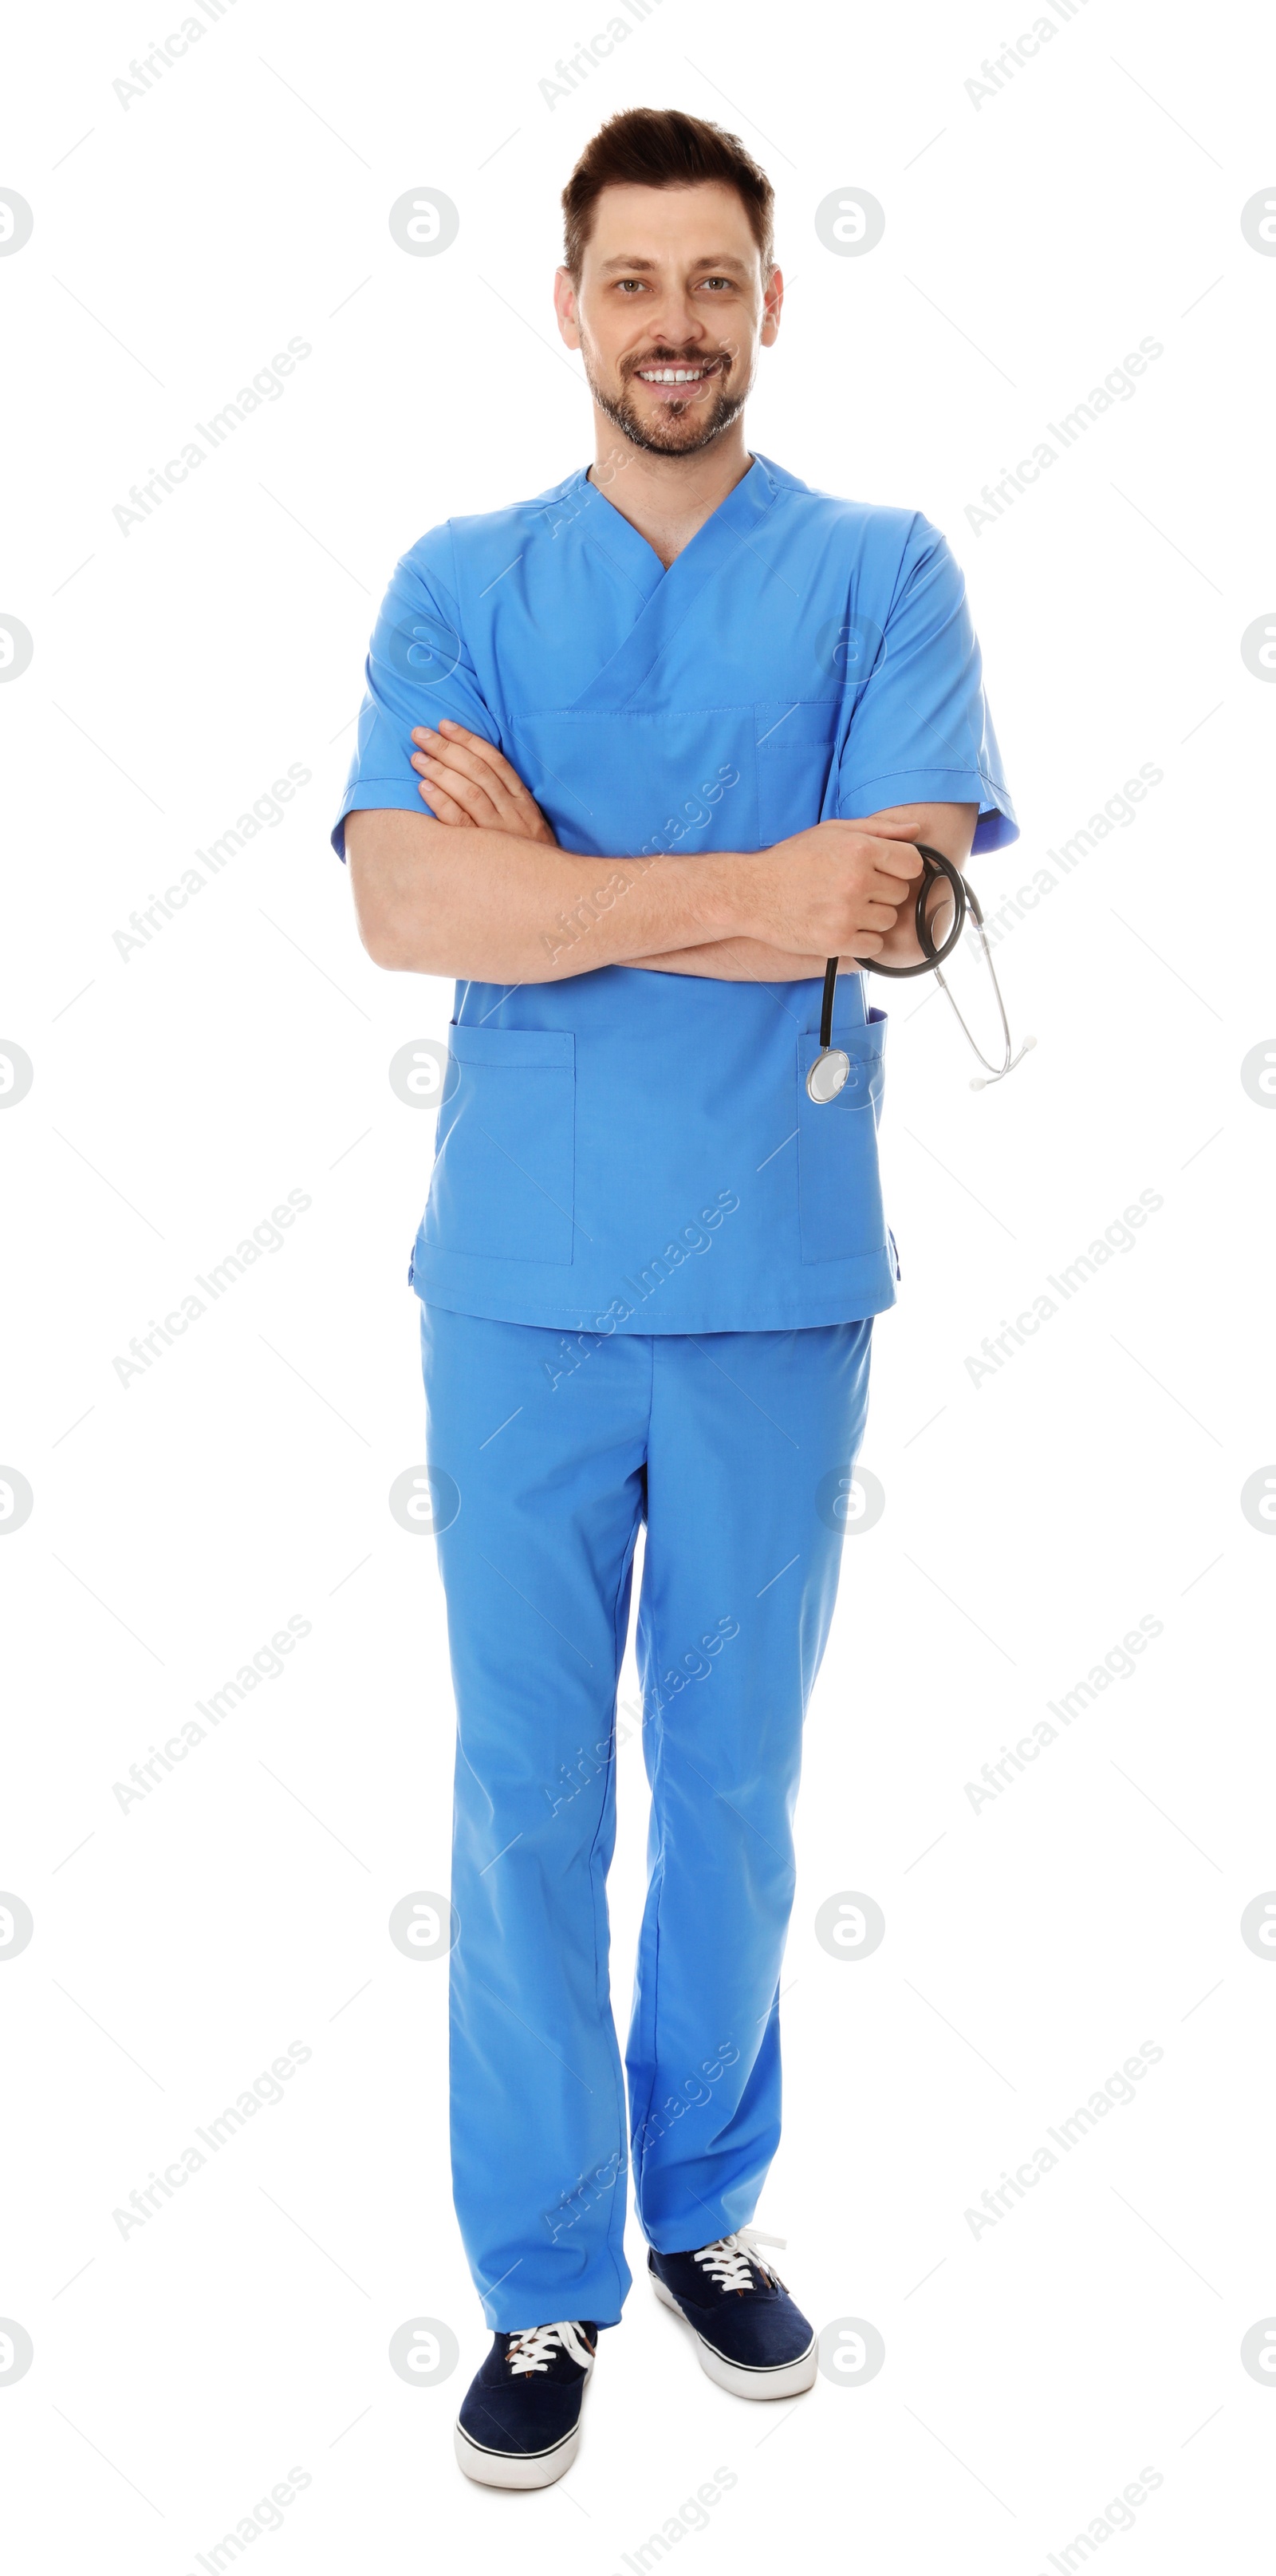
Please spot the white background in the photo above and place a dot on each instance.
(1031, 2372)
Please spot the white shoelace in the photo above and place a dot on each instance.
(533, 2349)
(728, 2261)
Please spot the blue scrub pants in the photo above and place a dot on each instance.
(560, 1446)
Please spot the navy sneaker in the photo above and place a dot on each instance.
(752, 2337)
(519, 2424)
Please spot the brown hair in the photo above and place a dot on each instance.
(659, 147)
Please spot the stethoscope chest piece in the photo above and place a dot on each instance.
(827, 1074)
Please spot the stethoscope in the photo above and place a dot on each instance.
(832, 1065)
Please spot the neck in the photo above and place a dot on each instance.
(666, 498)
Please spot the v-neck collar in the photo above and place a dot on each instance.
(747, 501)
(666, 596)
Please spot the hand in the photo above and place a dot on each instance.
(901, 946)
(468, 781)
(834, 890)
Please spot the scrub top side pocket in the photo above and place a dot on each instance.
(504, 1179)
(839, 1185)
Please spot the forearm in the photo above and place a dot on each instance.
(745, 960)
(434, 900)
(738, 961)
(497, 905)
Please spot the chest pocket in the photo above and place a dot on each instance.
(793, 752)
(504, 1174)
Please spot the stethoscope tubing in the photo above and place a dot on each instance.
(831, 1066)
(934, 865)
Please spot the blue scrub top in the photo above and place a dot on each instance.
(625, 1150)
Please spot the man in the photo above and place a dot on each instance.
(636, 757)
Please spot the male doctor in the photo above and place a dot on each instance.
(636, 757)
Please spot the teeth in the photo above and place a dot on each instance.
(671, 375)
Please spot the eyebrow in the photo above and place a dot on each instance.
(714, 260)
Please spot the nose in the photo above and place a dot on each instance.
(676, 323)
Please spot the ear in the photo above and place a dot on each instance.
(772, 306)
(566, 308)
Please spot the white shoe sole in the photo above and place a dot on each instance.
(515, 2468)
(785, 2379)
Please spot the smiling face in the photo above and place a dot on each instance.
(669, 312)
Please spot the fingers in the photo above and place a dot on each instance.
(900, 861)
(444, 808)
(465, 753)
(477, 777)
(895, 874)
(442, 787)
(899, 834)
(895, 891)
(886, 869)
(459, 777)
(473, 745)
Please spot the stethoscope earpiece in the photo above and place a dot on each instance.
(981, 1081)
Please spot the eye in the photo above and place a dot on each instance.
(625, 283)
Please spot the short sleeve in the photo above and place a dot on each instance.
(921, 732)
(417, 670)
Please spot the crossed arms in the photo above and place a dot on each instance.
(479, 888)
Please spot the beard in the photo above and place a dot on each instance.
(674, 429)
